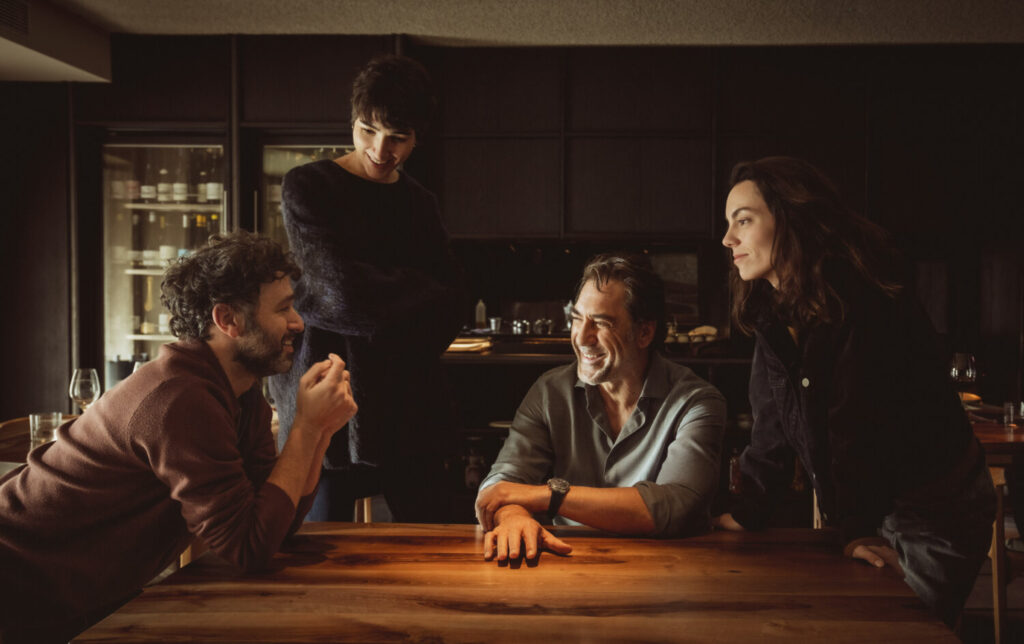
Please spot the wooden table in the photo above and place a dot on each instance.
(1000, 444)
(383, 582)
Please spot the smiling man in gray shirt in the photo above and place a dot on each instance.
(623, 440)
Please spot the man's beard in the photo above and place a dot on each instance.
(259, 354)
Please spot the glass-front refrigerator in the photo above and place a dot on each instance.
(159, 202)
(277, 161)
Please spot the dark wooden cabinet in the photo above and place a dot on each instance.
(295, 80)
(640, 89)
(638, 186)
(502, 187)
(161, 79)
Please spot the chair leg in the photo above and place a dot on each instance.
(997, 554)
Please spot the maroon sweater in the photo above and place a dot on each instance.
(167, 454)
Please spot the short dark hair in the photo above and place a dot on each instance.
(645, 290)
(229, 269)
(396, 91)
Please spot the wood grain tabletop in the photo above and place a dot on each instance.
(343, 582)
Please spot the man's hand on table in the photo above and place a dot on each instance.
(534, 498)
(516, 527)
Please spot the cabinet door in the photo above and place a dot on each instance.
(501, 187)
(640, 88)
(161, 78)
(302, 79)
(639, 186)
(494, 91)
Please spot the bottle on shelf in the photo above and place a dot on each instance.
(132, 184)
(214, 188)
(481, 315)
(147, 188)
(148, 326)
(137, 242)
(167, 245)
(186, 235)
(202, 175)
(200, 233)
(179, 180)
(214, 225)
(163, 181)
(151, 247)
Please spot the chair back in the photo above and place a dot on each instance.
(14, 440)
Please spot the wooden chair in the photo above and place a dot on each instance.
(14, 440)
(1006, 564)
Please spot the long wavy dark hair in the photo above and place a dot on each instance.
(816, 236)
(230, 269)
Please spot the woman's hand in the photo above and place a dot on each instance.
(876, 551)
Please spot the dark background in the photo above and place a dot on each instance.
(542, 156)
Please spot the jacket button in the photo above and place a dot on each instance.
(806, 382)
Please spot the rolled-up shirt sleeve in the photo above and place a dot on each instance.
(669, 449)
(679, 499)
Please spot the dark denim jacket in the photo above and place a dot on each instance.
(865, 405)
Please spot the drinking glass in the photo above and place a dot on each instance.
(85, 387)
(43, 427)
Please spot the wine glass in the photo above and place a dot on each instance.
(963, 372)
(962, 369)
(85, 387)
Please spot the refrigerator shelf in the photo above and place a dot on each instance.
(174, 207)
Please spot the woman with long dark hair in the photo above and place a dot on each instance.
(848, 377)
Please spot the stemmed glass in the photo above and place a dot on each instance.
(962, 369)
(84, 388)
(963, 372)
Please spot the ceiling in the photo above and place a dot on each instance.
(501, 22)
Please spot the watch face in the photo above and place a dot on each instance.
(559, 485)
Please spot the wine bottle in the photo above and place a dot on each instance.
(201, 233)
(137, 242)
(214, 226)
(214, 187)
(151, 247)
(163, 181)
(148, 326)
(179, 185)
(132, 183)
(186, 235)
(147, 190)
(201, 177)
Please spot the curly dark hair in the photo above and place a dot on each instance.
(815, 231)
(645, 290)
(395, 90)
(229, 269)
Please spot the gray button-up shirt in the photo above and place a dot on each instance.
(668, 448)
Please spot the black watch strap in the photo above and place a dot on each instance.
(559, 488)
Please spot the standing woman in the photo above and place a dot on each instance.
(848, 377)
(380, 288)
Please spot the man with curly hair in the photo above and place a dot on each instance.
(181, 449)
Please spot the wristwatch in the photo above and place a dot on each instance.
(559, 488)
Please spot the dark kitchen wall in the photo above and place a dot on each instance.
(35, 248)
(607, 147)
(544, 155)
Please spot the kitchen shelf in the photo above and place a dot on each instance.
(151, 337)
